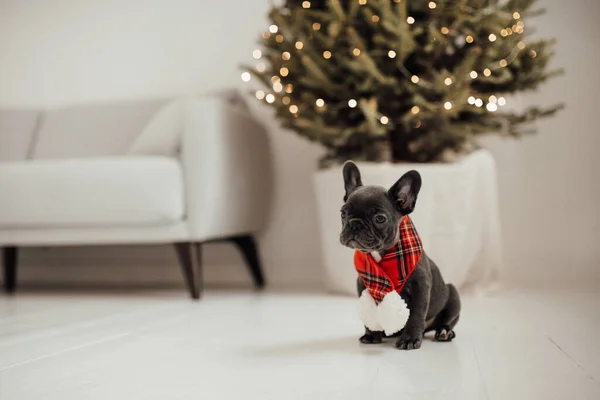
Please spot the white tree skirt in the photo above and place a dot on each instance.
(456, 216)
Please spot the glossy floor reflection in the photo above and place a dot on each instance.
(519, 345)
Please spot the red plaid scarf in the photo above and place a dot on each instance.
(396, 265)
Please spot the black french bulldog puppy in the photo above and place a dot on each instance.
(370, 219)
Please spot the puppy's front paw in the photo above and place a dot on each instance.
(409, 341)
(371, 337)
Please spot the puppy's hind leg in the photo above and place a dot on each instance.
(447, 318)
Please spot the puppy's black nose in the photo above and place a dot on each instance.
(355, 226)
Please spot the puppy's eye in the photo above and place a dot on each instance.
(380, 219)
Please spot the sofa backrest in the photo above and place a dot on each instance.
(16, 132)
(76, 131)
(148, 127)
(92, 130)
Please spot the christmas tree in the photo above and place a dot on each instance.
(400, 80)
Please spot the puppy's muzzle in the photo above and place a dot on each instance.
(355, 225)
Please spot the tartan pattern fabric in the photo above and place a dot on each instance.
(395, 266)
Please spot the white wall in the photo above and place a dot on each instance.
(57, 51)
(54, 52)
(549, 183)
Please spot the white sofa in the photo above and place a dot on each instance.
(184, 171)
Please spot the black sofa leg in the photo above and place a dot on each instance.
(247, 245)
(190, 259)
(9, 262)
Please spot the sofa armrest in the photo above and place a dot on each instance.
(227, 166)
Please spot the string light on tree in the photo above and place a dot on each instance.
(270, 98)
(246, 76)
(266, 35)
(532, 53)
(516, 15)
(452, 65)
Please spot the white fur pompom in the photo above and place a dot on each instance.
(392, 313)
(367, 311)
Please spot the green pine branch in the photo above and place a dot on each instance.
(401, 80)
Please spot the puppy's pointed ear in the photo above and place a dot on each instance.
(405, 191)
(351, 178)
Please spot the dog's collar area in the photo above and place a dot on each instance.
(376, 256)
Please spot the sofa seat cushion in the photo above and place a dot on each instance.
(92, 192)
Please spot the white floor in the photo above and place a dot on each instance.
(522, 345)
